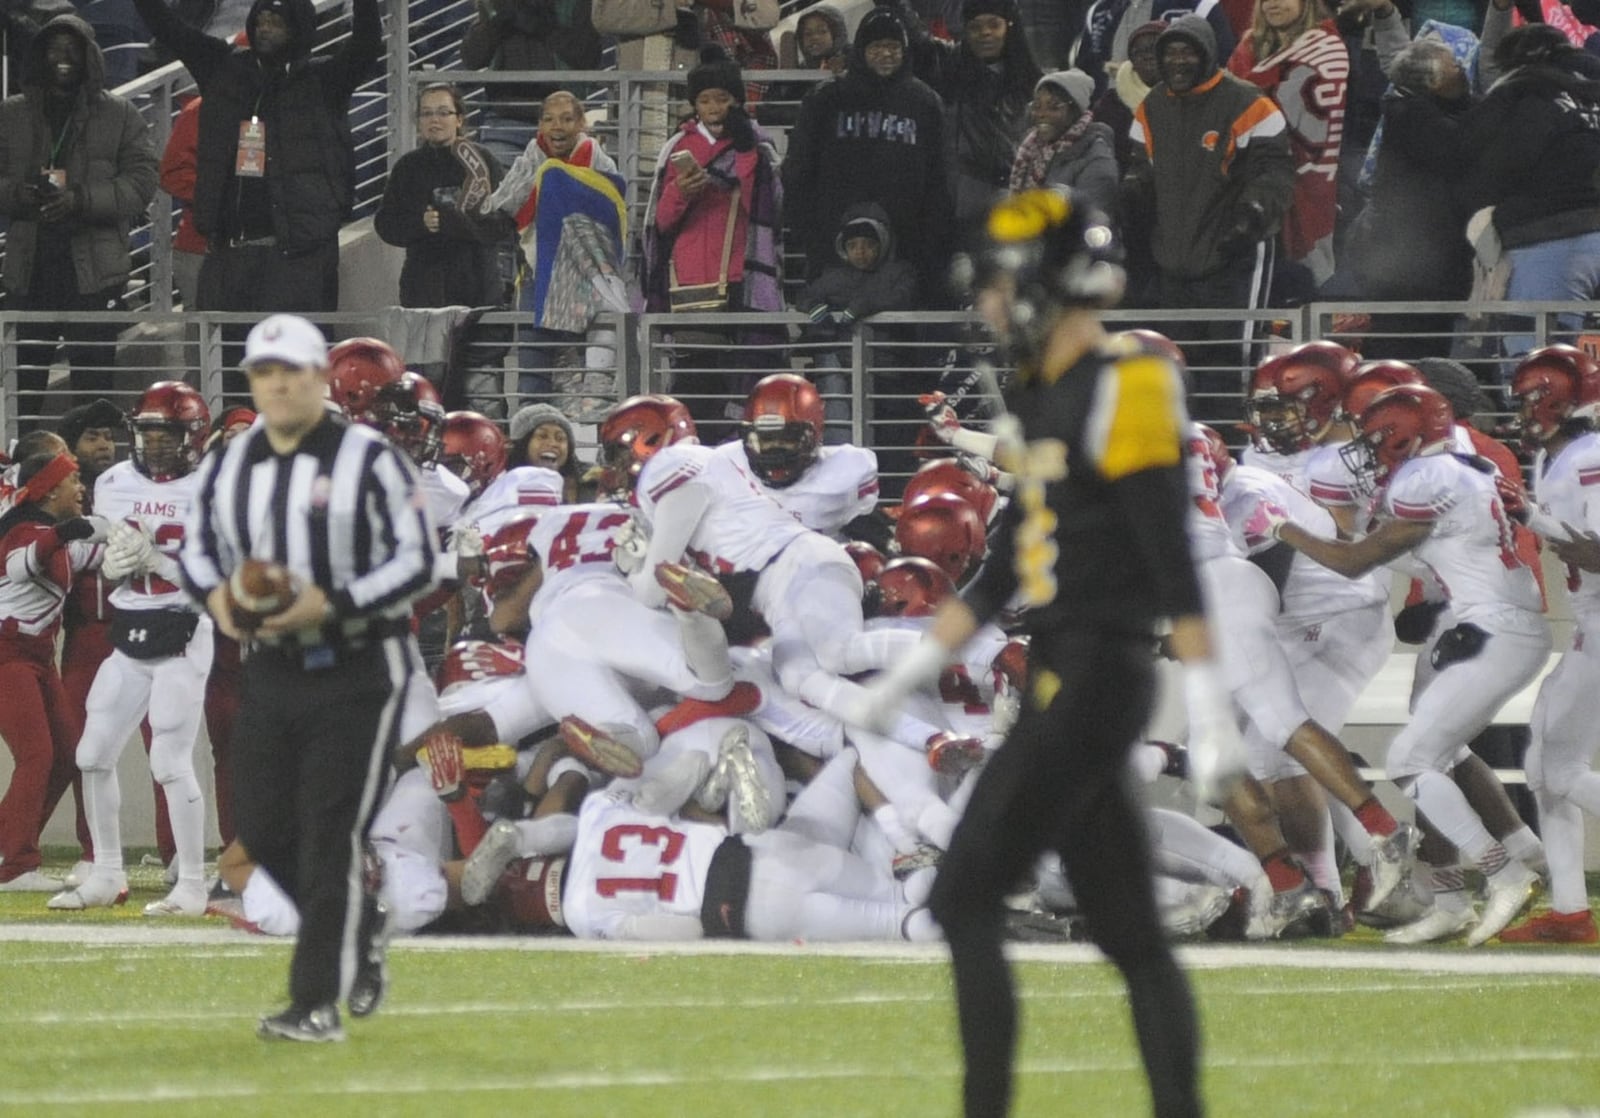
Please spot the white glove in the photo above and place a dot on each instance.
(1216, 751)
(466, 541)
(128, 551)
(633, 544)
(876, 706)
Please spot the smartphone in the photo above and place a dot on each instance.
(684, 162)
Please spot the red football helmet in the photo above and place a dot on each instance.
(357, 368)
(911, 587)
(782, 428)
(951, 475)
(409, 412)
(868, 559)
(1403, 422)
(1374, 377)
(633, 431)
(470, 661)
(1217, 450)
(1153, 342)
(945, 529)
(1296, 396)
(171, 408)
(472, 447)
(1553, 385)
(506, 554)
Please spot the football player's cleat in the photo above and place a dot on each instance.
(231, 909)
(494, 852)
(598, 749)
(78, 874)
(1393, 859)
(923, 856)
(31, 881)
(750, 808)
(1205, 906)
(372, 958)
(182, 901)
(318, 1025)
(1438, 925)
(1295, 913)
(102, 889)
(694, 591)
(1555, 927)
(952, 755)
(1508, 892)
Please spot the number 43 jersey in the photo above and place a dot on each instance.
(629, 868)
(576, 543)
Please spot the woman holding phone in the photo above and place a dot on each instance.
(713, 236)
(450, 260)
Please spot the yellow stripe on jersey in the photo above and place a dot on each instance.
(1137, 417)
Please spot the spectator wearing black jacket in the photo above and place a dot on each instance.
(876, 134)
(450, 260)
(276, 164)
(986, 83)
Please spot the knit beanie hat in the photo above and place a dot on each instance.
(1005, 9)
(716, 71)
(534, 416)
(96, 413)
(1154, 28)
(1456, 383)
(1075, 85)
(880, 24)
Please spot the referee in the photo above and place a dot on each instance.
(324, 681)
(1094, 544)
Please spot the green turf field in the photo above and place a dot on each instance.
(103, 1012)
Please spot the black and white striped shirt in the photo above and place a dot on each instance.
(342, 511)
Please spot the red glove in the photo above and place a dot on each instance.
(1513, 497)
(941, 416)
(446, 769)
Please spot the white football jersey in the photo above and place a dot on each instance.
(514, 493)
(839, 486)
(626, 864)
(1290, 467)
(445, 494)
(574, 543)
(161, 509)
(1209, 533)
(1310, 590)
(1470, 549)
(1331, 483)
(743, 527)
(1567, 488)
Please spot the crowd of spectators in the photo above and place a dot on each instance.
(1249, 154)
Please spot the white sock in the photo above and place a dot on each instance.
(1443, 803)
(1562, 822)
(1449, 888)
(550, 834)
(1351, 832)
(888, 821)
(705, 649)
(186, 807)
(102, 805)
(1523, 845)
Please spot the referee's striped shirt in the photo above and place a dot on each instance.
(342, 511)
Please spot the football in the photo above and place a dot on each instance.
(258, 589)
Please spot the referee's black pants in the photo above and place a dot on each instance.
(1060, 782)
(311, 753)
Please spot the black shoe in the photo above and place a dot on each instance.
(1042, 927)
(317, 1025)
(372, 965)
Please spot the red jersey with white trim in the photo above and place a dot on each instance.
(841, 485)
(1470, 547)
(626, 864)
(1209, 534)
(516, 492)
(743, 527)
(36, 572)
(161, 508)
(1567, 487)
(575, 543)
(1310, 590)
(445, 495)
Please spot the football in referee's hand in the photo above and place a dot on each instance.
(258, 589)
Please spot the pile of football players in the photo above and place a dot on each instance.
(639, 730)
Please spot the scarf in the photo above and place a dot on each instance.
(1034, 158)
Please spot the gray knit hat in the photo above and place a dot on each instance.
(530, 418)
(1456, 383)
(1075, 85)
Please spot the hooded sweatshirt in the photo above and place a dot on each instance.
(101, 144)
(889, 285)
(1200, 156)
(304, 105)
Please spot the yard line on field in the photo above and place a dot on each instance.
(141, 953)
(1377, 957)
(211, 1089)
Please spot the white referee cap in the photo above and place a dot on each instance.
(287, 338)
